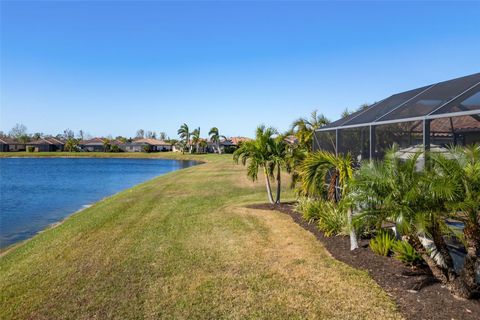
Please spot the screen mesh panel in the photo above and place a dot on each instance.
(433, 98)
(467, 102)
(324, 140)
(355, 141)
(404, 134)
(383, 107)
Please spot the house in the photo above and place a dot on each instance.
(92, 145)
(48, 144)
(10, 145)
(142, 145)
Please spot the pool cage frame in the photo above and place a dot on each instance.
(445, 113)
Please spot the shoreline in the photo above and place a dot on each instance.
(12, 246)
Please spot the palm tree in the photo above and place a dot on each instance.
(304, 128)
(321, 166)
(196, 138)
(418, 202)
(71, 144)
(184, 134)
(266, 152)
(106, 144)
(215, 138)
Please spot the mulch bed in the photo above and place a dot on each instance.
(416, 292)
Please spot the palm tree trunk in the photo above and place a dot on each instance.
(353, 234)
(279, 185)
(269, 188)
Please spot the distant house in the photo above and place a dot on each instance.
(48, 144)
(11, 145)
(92, 145)
(153, 145)
(291, 139)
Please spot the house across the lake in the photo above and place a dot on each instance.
(146, 145)
(48, 144)
(92, 145)
(11, 145)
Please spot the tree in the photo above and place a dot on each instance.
(266, 152)
(322, 167)
(418, 202)
(150, 135)
(24, 138)
(67, 133)
(81, 134)
(304, 128)
(162, 136)
(71, 145)
(18, 131)
(184, 134)
(215, 138)
(106, 144)
(196, 138)
(37, 136)
(140, 134)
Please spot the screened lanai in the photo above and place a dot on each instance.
(431, 117)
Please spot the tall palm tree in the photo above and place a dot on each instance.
(215, 138)
(196, 138)
(315, 171)
(265, 152)
(184, 134)
(106, 144)
(304, 128)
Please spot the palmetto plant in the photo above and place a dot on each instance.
(184, 134)
(321, 166)
(304, 128)
(419, 202)
(215, 138)
(265, 152)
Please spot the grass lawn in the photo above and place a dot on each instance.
(183, 246)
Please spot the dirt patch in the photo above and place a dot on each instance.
(416, 292)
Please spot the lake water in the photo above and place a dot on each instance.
(36, 192)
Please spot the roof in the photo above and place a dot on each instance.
(456, 97)
(8, 140)
(48, 140)
(91, 142)
(238, 140)
(153, 142)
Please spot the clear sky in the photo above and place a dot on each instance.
(115, 67)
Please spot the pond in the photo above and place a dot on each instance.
(37, 192)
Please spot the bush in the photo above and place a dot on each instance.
(115, 148)
(309, 208)
(382, 244)
(406, 253)
(147, 148)
(30, 149)
(332, 219)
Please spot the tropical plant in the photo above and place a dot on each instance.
(196, 138)
(215, 138)
(332, 218)
(405, 253)
(106, 144)
(382, 244)
(30, 149)
(266, 152)
(184, 134)
(71, 144)
(309, 208)
(147, 148)
(321, 169)
(304, 128)
(419, 202)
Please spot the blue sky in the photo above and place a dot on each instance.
(115, 67)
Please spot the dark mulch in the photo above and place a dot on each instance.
(417, 294)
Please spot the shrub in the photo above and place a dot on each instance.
(382, 243)
(147, 148)
(30, 149)
(309, 208)
(406, 253)
(332, 219)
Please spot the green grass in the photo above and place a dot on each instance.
(183, 246)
